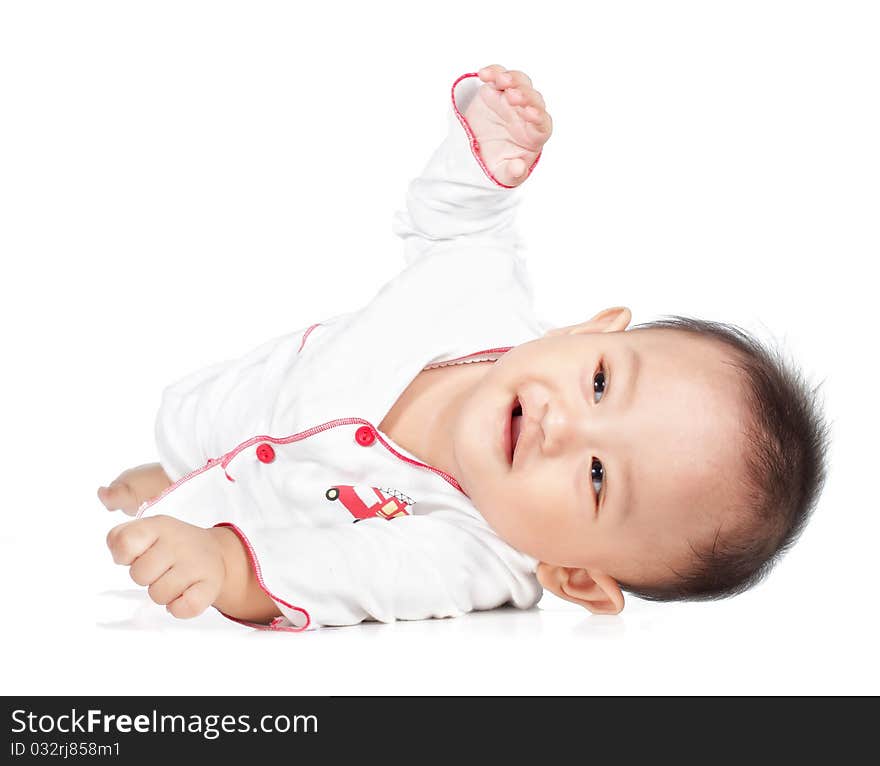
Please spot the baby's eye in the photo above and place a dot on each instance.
(597, 474)
(598, 385)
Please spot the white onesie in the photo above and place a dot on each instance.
(340, 523)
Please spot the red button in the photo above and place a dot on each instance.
(265, 453)
(365, 436)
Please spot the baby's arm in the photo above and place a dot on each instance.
(413, 567)
(188, 569)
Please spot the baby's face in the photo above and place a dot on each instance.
(629, 450)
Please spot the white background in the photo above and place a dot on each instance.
(181, 181)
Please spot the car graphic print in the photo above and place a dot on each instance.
(364, 502)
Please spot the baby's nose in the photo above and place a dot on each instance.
(565, 430)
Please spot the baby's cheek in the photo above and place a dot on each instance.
(528, 517)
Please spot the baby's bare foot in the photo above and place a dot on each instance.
(128, 491)
(510, 121)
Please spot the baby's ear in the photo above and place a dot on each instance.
(594, 591)
(609, 320)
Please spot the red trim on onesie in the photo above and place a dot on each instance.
(255, 565)
(440, 473)
(489, 352)
(171, 487)
(225, 459)
(475, 144)
(306, 335)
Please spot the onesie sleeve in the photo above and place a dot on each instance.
(410, 568)
(454, 199)
(204, 413)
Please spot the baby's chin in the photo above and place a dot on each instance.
(477, 438)
(473, 463)
(522, 529)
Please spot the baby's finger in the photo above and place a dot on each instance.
(128, 541)
(170, 585)
(151, 565)
(193, 601)
(118, 497)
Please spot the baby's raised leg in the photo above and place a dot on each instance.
(510, 120)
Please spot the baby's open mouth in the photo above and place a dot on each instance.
(515, 422)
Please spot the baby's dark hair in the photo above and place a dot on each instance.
(786, 452)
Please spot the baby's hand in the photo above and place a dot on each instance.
(510, 121)
(183, 565)
(132, 487)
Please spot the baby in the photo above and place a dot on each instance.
(440, 450)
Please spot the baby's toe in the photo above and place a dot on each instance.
(541, 124)
(530, 114)
(536, 99)
(516, 79)
(525, 97)
(534, 115)
(490, 73)
(514, 96)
